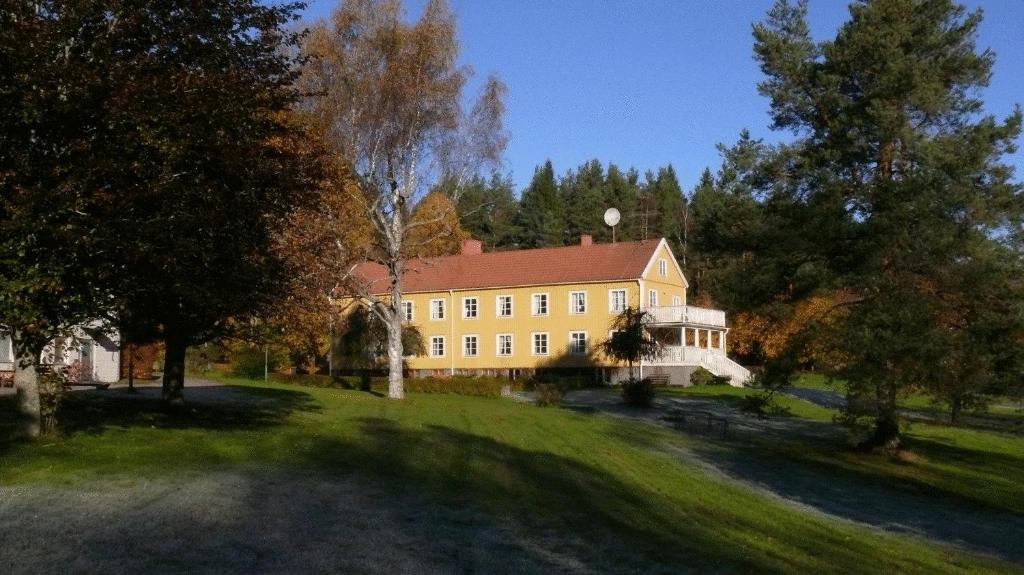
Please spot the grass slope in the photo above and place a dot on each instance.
(980, 467)
(618, 496)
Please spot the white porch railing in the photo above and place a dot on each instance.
(713, 360)
(687, 314)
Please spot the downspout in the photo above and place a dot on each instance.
(640, 294)
(451, 329)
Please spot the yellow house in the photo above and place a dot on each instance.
(513, 312)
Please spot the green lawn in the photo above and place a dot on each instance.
(979, 467)
(621, 488)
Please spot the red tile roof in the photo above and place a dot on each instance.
(543, 266)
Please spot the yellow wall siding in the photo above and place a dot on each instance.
(558, 324)
(668, 286)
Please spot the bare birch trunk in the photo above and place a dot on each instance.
(396, 385)
(394, 318)
(26, 384)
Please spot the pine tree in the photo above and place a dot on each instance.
(668, 205)
(622, 191)
(583, 191)
(541, 218)
(487, 209)
(892, 184)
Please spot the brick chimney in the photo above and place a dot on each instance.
(472, 247)
(586, 240)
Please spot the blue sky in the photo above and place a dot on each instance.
(646, 83)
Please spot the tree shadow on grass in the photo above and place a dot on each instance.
(894, 503)
(565, 506)
(208, 408)
(391, 498)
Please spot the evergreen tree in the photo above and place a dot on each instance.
(668, 206)
(583, 191)
(487, 209)
(622, 191)
(541, 218)
(891, 191)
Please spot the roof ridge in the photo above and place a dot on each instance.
(534, 250)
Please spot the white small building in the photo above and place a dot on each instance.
(89, 352)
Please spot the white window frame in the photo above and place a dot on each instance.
(476, 307)
(408, 310)
(677, 301)
(444, 346)
(572, 309)
(534, 307)
(511, 345)
(498, 307)
(611, 300)
(476, 341)
(663, 268)
(586, 343)
(434, 316)
(652, 298)
(547, 343)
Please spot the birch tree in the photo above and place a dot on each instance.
(388, 94)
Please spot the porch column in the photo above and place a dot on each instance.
(709, 340)
(722, 340)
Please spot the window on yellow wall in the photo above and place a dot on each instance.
(437, 346)
(540, 304)
(436, 309)
(578, 302)
(540, 344)
(470, 345)
(677, 301)
(470, 307)
(578, 342)
(504, 344)
(616, 300)
(504, 306)
(652, 298)
(663, 268)
(407, 309)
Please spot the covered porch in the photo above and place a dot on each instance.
(694, 336)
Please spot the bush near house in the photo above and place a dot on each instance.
(548, 395)
(638, 393)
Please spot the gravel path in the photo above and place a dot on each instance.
(255, 522)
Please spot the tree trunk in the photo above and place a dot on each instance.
(956, 406)
(393, 319)
(131, 367)
(174, 370)
(396, 387)
(886, 434)
(26, 384)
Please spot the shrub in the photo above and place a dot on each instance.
(465, 385)
(248, 362)
(720, 380)
(305, 379)
(548, 394)
(638, 393)
(701, 376)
